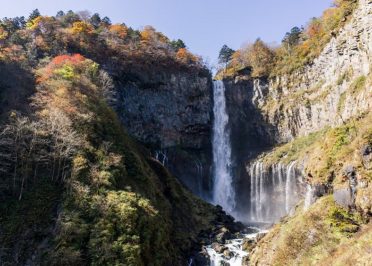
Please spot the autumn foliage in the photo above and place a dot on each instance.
(299, 47)
(64, 65)
(119, 30)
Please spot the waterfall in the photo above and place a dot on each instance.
(308, 197)
(161, 156)
(223, 192)
(289, 187)
(274, 191)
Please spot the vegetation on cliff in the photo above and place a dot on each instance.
(75, 189)
(299, 47)
(316, 236)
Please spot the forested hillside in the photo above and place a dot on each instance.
(75, 189)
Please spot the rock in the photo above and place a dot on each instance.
(228, 254)
(170, 111)
(223, 236)
(343, 197)
(201, 259)
(245, 261)
(366, 153)
(218, 247)
(248, 244)
(260, 236)
(349, 171)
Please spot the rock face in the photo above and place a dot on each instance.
(331, 90)
(250, 134)
(327, 92)
(170, 112)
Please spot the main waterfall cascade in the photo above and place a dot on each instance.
(223, 191)
(274, 191)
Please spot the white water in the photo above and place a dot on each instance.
(309, 199)
(235, 247)
(274, 191)
(289, 184)
(223, 192)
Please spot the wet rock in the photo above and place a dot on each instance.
(228, 254)
(223, 236)
(248, 244)
(245, 261)
(218, 247)
(201, 259)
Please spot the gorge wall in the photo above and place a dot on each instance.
(171, 113)
(329, 93)
(326, 93)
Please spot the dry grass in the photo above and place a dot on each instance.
(328, 150)
(313, 237)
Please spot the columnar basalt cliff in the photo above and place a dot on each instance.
(330, 90)
(171, 113)
(315, 123)
(333, 89)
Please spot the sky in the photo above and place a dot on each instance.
(204, 25)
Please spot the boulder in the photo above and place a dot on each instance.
(366, 153)
(248, 244)
(223, 236)
(218, 247)
(228, 254)
(201, 259)
(344, 197)
(245, 261)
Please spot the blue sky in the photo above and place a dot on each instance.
(204, 25)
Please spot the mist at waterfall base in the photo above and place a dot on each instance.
(273, 190)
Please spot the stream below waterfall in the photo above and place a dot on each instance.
(233, 253)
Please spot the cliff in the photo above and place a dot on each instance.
(170, 112)
(332, 89)
(312, 126)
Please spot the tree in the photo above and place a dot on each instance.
(95, 20)
(292, 38)
(119, 30)
(60, 14)
(177, 44)
(106, 21)
(34, 14)
(3, 34)
(79, 27)
(260, 57)
(225, 55)
(70, 17)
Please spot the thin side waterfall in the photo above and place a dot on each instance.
(289, 187)
(223, 192)
(309, 198)
(274, 191)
